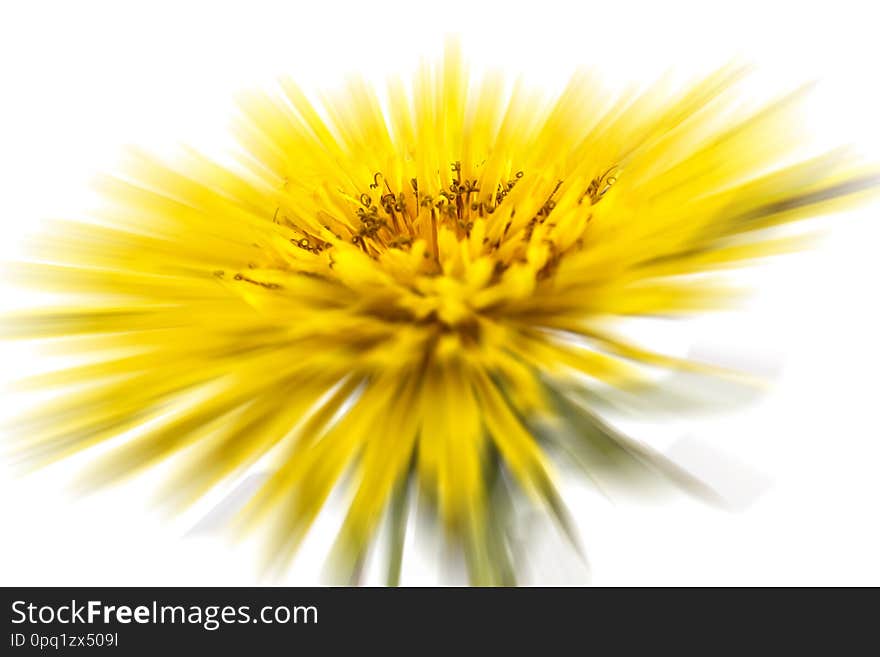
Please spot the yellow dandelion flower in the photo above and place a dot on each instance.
(406, 290)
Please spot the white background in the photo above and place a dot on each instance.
(80, 80)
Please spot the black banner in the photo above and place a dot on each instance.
(120, 621)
